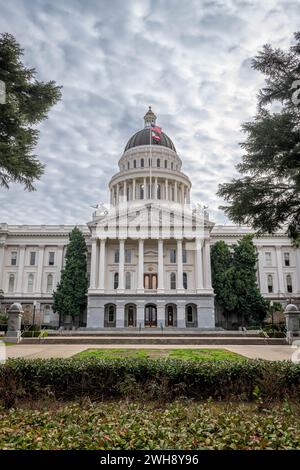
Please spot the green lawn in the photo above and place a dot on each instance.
(186, 354)
(129, 425)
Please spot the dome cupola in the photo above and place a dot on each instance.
(143, 136)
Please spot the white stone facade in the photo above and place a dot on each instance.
(148, 251)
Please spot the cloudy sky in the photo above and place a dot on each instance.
(189, 59)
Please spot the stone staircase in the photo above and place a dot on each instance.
(155, 336)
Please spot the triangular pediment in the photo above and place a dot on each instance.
(139, 219)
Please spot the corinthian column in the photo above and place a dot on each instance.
(160, 287)
(140, 286)
(102, 269)
(198, 264)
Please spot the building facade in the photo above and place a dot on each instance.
(148, 250)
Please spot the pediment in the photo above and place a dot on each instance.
(135, 220)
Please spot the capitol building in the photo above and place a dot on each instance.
(148, 250)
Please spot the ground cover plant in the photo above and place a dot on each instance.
(131, 425)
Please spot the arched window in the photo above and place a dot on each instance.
(166, 163)
(189, 314)
(158, 163)
(184, 280)
(173, 281)
(11, 283)
(289, 283)
(270, 283)
(116, 280)
(128, 280)
(49, 283)
(134, 163)
(128, 165)
(30, 283)
(111, 313)
(158, 191)
(141, 191)
(142, 162)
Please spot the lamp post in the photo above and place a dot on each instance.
(272, 314)
(34, 309)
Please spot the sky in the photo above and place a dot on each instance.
(190, 60)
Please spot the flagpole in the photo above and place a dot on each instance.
(150, 162)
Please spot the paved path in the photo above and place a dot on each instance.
(269, 352)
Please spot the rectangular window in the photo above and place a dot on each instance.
(117, 256)
(127, 255)
(13, 259)
(268, 258)
(184, 255)
(128, 280)
(173, 256)
(286, 259)
(184, 280)
(32, 258)
(51, 258)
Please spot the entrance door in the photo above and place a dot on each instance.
(170, 313)
(150, 315)
(150, 281)
(130, 316)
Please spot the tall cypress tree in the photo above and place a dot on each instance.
(223, 277)
(234, 281)
(250, 306)
(70, 297)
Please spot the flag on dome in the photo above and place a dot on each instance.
(155, 132)
(155, 136)
(156, 128)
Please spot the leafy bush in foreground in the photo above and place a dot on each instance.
(129, 425)
(162, 379)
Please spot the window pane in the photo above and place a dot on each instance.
(127, 255)
(184, 280)
(116, 256)
(286, 259)
(289, 283)
(184, 256)
(13, 261)
(30, 283)
(116, 280)
(49, 283)
(51, 258)
(32, 258)
(172, 256)
(270, 283)
(128, 281)
(173, 281)
(11, 283)
(268, 258)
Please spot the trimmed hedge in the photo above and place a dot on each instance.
(144, 379)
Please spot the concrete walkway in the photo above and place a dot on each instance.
(269, 352)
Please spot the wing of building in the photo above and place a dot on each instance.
(148, 250)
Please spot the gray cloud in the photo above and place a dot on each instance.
(190, 60)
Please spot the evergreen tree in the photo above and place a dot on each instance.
(70, 297)
(223, 277)
(25, 103)
(234, 281)
(250, 303)
(267, 195)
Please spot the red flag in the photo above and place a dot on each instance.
(154, 136)
(156, 129)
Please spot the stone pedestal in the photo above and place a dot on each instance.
(292, 320)
(13, 334)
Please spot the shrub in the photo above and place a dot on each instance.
(162, 379)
